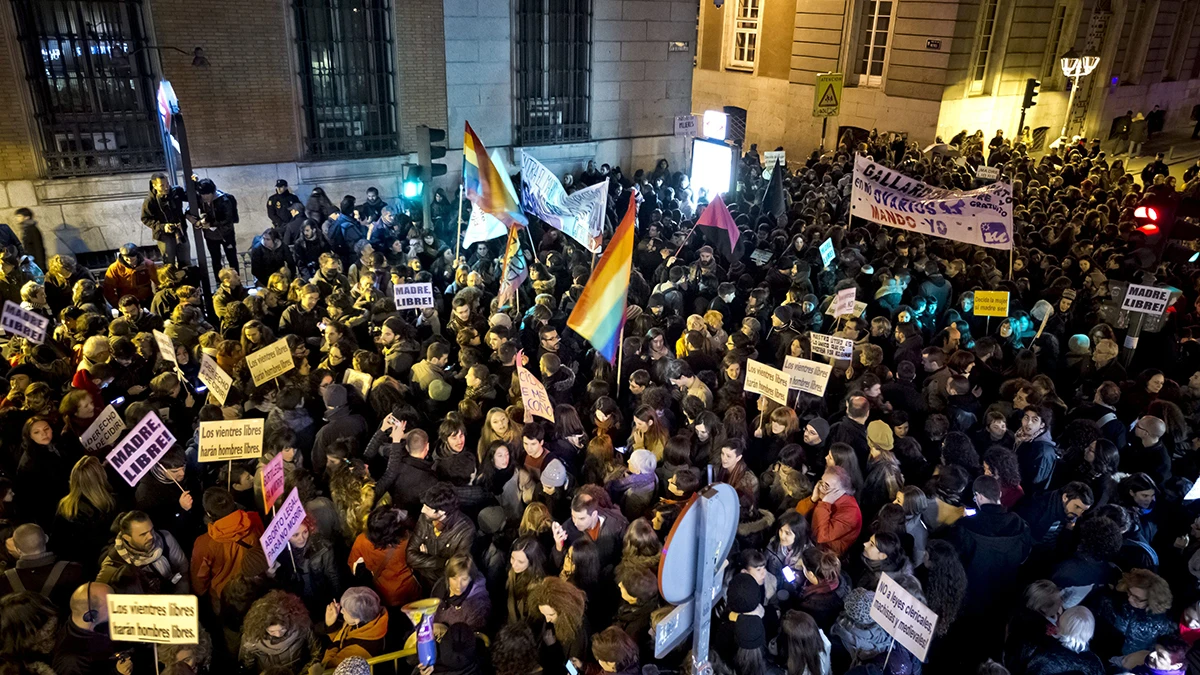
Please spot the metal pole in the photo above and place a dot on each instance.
(462, 194)
(185, 154)
(703, 600)
(1070, 104)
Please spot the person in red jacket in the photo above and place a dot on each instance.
(131, 274)
(836, 518)
(230, 544)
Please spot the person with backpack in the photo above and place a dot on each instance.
(38, 569)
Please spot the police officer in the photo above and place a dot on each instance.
(278, 203)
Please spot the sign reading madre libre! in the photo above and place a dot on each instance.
(165, 619)
(413, 296)
(270, 362)
(141, 449)
(16, 320)
(232, 439)
(1146, 299)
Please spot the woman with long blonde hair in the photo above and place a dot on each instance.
(83, 517)
(498, 426)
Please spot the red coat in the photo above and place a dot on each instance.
(121, 280)
(835, 525)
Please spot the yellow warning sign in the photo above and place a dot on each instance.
(827, 97)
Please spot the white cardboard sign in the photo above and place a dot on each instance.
(768, 381)
(104, 430)
(216, 379)
(413, 296)
(809, 377)
(830, 346)
(231, 439)
(165, 619)
(904, 617)
(140, 451)
(18, 321)
(270, 362)
(287, 519)
(1146, 299)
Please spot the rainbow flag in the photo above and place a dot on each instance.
(599, 315)
(516, 269)
(485, 186)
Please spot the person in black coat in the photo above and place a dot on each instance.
(279, 205)
(267, 256)
(992, 544)
(409, 470)
(605, 527)
(1146, 453)
(1037, 455)
(1051, 514)
(163, 213)
(44, 468)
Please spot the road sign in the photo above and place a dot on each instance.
(827, 97)
(694, 552)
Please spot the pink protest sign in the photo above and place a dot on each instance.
(272, 481)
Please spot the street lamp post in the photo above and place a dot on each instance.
(1075, 66)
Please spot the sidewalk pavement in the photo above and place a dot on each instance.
(1181, 150)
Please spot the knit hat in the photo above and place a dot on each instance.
(858, 606)
(1069, 294)
(706, 249)
(633, 312)
(744, 594)
(354, 665)
(1105, 349)
(1079, 345)
(554, 475)
(334, 396)
(394, 324)
(750, 632)
(439, 390)
(500, 319)
(879, 434)
(1041, 309)
(820, 426)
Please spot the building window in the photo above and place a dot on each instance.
(91, 83)
(983, 48)
(1050, 67)
(746, 18)
(876, 29)
(553, 74)
(347, 79)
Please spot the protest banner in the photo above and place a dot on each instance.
(359, 380)
(991, 303)
(768, 381)
(830, 346)
(275, 538)
(270, 362)
(859, 308)
(905, 618)
(272, 481)
(164, 619)
(533, 394)
(685, 125)
(827, 252)
(20, 322)
(230, 440)
(579, 215)
(413, 296)
(165, 346)
(1146, 299)
(103, 431)
(761, 256)
(216, 379)
(809, 377)
(141, 449)
(844, 305)
(982, 217)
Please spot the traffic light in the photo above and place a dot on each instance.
(414, 184)
(1147, 216)
(431, 145)
(1031, 92)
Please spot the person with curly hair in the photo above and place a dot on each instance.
(945, 583)
(278, 632)
(616, 652)
(563, 627)
(1131, 617)
(1001, 463)
(1091, 567)
(515, 651)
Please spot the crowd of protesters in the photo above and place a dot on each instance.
(1017, 475)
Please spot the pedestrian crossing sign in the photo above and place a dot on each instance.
(827, 97)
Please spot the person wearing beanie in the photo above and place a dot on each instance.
(879, 437)
(816, 433)
(340, 422)
(554, 477)
(859, 634)
(230, 543)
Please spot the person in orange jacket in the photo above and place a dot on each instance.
(836, 518)
(131, 274)
(356, 626)
(230, 544)
(379, 554)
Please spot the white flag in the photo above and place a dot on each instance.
(579, 215)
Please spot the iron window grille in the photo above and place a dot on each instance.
(347, 75)
(92, 89)
(553, 73)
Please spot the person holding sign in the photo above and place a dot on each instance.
(230, 543)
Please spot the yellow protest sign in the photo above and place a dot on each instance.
(232, 439)
(827, 98)
(991, 303)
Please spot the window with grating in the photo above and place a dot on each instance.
(92, 85)
(347, 78)
(552, 77)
